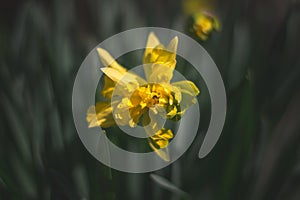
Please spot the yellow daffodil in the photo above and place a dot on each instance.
(203, 21)
(143, 101)
(204, 24)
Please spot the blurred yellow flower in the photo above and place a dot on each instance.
(203, 21)
(140, 98)
(204, 24)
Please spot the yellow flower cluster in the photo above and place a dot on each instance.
(139, 99)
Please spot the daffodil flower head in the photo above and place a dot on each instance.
(204, 23)
(132, 100)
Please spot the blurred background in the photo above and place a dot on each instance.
(256, 47)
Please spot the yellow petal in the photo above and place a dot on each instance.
(189, 91)
(163, 134)
(172, 47)
(161, 55)
(187, 86)
(112, 73)
(160, 74)
(152, 41)
(157, 55)
(100, 115)
(162, 153)
(127, 80)
(175, 90)
(159, 143)
(109, 61)
(108, 88)
(172, 113)
(121, 112)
